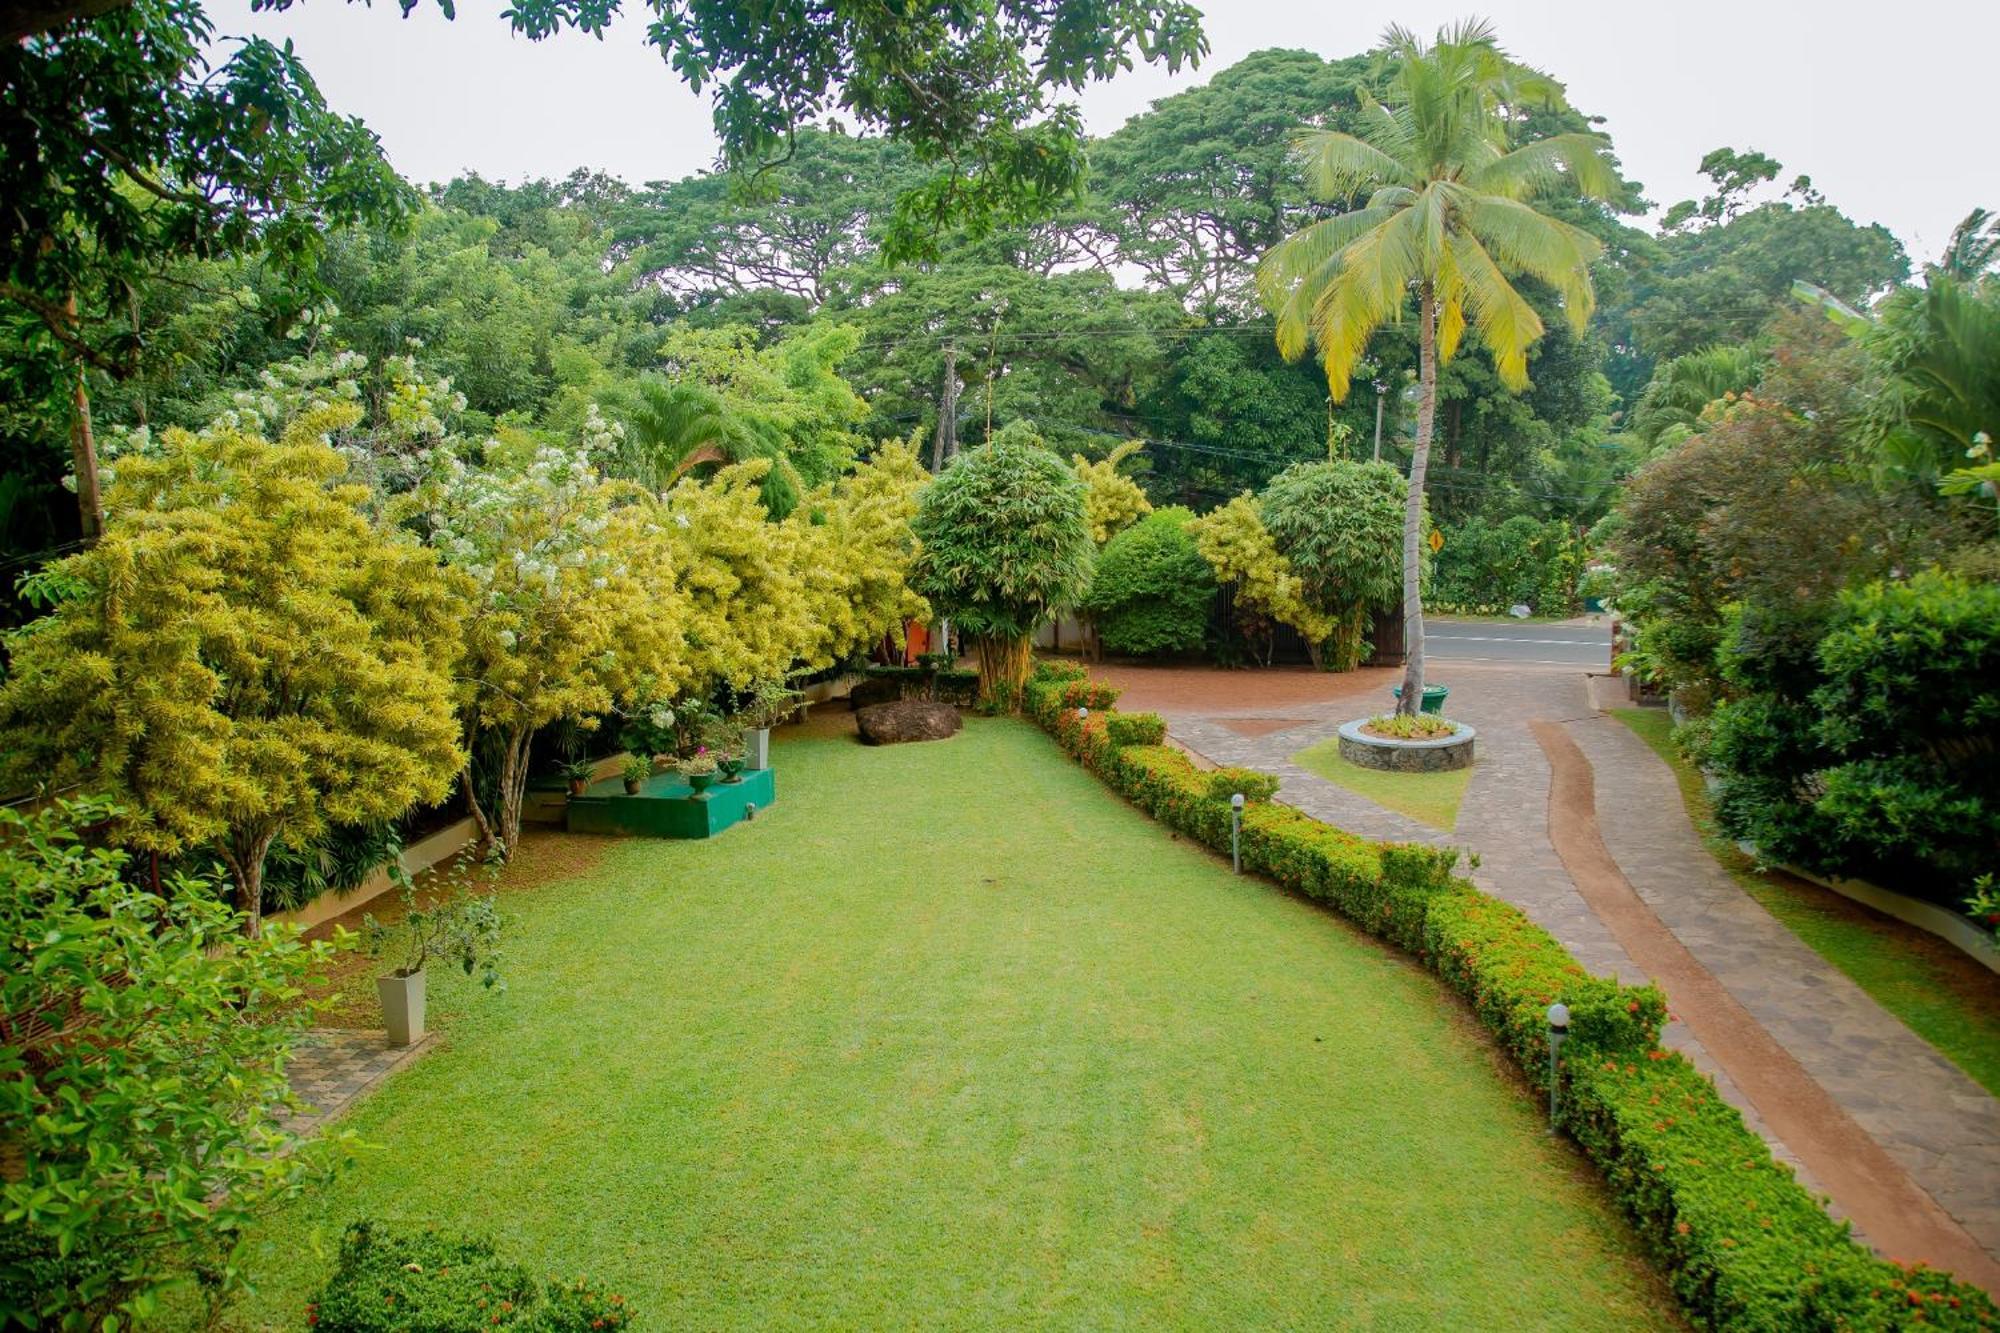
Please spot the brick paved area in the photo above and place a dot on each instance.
(335, 1067)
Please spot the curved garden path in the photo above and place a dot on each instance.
(1579, 823)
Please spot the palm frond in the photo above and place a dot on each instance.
(1371, 288)
(1507, 324)
(1338, 166)
(1540, 246)
(1295, 270)
(1578, 160)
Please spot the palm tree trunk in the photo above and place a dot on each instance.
(1413, 505)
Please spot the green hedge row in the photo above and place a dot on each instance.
(1743, 1244)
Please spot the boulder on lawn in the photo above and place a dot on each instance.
(907, 720)
(874, 690)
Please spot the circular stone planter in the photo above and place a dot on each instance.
(1443, 754)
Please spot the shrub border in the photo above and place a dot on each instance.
(1742, 1243)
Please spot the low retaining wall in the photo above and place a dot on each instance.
(418, 857)
(1942, 922)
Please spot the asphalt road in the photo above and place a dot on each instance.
(1586, 646)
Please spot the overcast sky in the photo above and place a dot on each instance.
(1888, 108)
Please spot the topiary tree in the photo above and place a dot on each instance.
(1152, 589)
(1267, 591)
(1005, 542)
(244, 657)
(1341, 526)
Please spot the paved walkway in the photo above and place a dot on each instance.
(333, 1068)
(1938, 1132)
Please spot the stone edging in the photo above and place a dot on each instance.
(1441, 754)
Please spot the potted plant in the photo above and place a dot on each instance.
(636, 770)
(457, 924)
(730, 766)
(699, 769)
(579, 772)
(771, 702)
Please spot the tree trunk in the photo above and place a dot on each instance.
(473, 808)
(83, 449)
(513, 788)
(1004, 664)
(243, 852)
(1413, 506)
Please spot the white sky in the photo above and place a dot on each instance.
(1886, 107)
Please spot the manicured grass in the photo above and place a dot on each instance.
(1946, 998)
(951, 1036)
(1428, 798)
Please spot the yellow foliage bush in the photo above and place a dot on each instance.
(1235, 542)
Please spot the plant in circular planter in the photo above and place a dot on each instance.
(579, 772)
(635, 772)
(699, 769)
(457, 923)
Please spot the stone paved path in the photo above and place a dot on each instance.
(332, 1068)
(1939, 1126)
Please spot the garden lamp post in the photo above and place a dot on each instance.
(1558, 1033)
(1236, 833)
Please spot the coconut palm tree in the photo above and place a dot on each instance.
(1447, 222)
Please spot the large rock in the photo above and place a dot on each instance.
(907, 720)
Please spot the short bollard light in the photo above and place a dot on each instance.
(1558, 1033)
(1082, 714)
(1236, 833)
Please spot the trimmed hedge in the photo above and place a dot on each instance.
(1742, 1243)
(953, 685)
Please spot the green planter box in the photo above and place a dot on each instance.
(1433, 697)
(666, 807)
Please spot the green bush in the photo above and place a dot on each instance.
(1152, 590)
(1743, 1244)
(1867, 743)
(1341, 526)
(1137, 729)
(385, 1282)
(1488, 567)
(144, 1123)
(1254, 787)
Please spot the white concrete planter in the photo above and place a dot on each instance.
(402, 1007)
(757, 748)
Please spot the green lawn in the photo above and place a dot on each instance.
(1946, 998)
(951, 1036)
(1428, 798)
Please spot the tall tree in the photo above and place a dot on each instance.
(1447, 219)
(124, 150)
